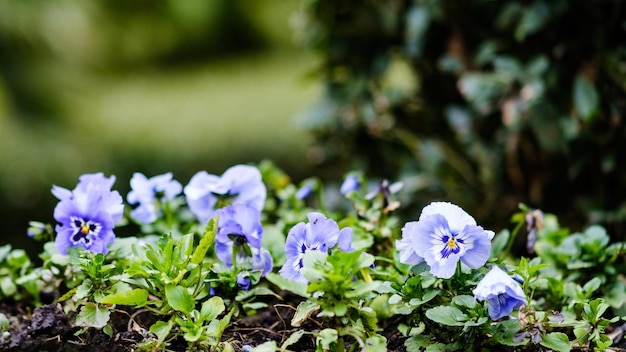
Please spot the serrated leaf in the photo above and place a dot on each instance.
(179, 298)
(136, 297)
(206, 242)
(93, 315)
(447, 315)
(557, 341)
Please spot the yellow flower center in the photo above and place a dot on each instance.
(451, 242)
(84, 229)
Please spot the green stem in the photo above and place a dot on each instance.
(234, 256)
(514, 233)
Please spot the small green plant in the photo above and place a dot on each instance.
(441, 282)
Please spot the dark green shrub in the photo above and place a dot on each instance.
(484, 103)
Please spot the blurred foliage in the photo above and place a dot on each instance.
(483, 103)
(142, 86)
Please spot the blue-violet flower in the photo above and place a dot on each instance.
(443, 235)
(305, 191)
(240, 184)
(239, 229)
(148, 191)
(503, 294)
(319, 234)
(87, 214)
(351, 183)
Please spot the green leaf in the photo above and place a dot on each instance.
(93, 315)
(429, 295)
(327, 337)
(592, 285)
(212, 308)
(293, 338)
(438, 347)
(499, 243)
(557, 341)
(269, 346)
(69, 294)
(179, 298)
(4, 251)
(417, 343)
(585, 98)
(288, 285)
(376, 343)
(7, 286)
(161, 329)
(303, 312)
(447, 315)
(84, 289)
(464, 301)
(182, 251)
(136, 297)
(206, 242)
(362, 288)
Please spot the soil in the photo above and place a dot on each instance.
(49, 328)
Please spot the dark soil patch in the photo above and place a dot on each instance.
(48, 328)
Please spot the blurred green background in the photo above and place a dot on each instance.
(147, 86)
(486, 104)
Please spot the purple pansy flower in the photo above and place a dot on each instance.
(147, 191)
(305, 191)
(443, 235)
(87, 214)
(240, 184)
(239, 229)
(84, 180)
(319, 234)
(351, 183)
(243, 281)
(502, 293)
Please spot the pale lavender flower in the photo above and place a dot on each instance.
(443, 235)
(351, 183)
(502, 293)
(240, 184)
(84, 180)
(87, 214)
(305, 191)
(319, 234)
(239, 229)
(148, 192)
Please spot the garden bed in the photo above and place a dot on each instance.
(48, 328)
(247, 261)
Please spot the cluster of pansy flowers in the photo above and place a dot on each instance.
(444, 235)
